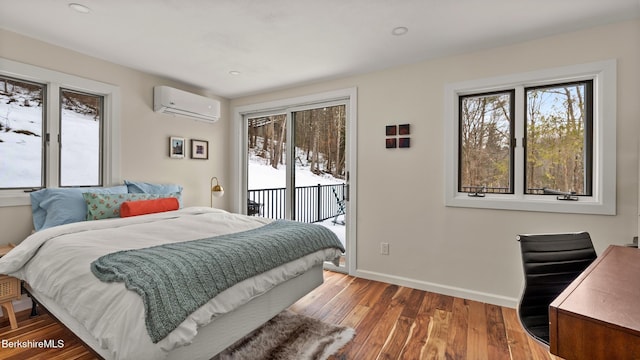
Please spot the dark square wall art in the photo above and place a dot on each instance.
(397, 136)
(391, 130)
(391, 143)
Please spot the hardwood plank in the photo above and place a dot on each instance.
(354, 318)
(397, 339)
(370, 321)
(445, 302)
(417, 338)
(375, 290)
(333, 283)
(458, 331)
(435, 347)
(391, 322)
(315, 300)
(477, 332)
(538, 350)
(400, 334)
(516, 337)
(341, 305)
(412, 306)
(498, 348)
(384, 325)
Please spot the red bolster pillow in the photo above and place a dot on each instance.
(141, 207)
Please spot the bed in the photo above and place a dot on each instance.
(56, 265)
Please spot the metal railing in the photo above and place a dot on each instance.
(312, 203)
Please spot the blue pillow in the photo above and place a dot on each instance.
(58, 206)
(138, 187)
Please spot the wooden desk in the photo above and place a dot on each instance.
(598, 315)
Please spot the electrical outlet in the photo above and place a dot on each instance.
(384, 248)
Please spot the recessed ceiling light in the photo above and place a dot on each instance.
(234, 72)
(399, 31)
(80, 8)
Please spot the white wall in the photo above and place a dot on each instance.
(144, 134)
(469, 252)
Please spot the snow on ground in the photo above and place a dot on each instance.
(21, 154)
(264, 176)
(340, 229)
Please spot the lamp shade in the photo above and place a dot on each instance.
(216, 190)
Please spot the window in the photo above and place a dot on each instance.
(80, 138)
(56, 130)
(486, 133)
(558, 139)
(22, 105)
(542, 141)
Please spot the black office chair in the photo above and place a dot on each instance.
(551, 262)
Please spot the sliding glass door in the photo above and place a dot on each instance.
(297, 166)
(267, 166)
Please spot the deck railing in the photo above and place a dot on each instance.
(312, 203)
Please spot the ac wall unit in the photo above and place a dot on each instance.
(174, 101)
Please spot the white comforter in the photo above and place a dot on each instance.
(55, 262)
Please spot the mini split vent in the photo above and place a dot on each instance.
(173, 101)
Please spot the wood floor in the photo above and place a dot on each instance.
(41, 328)
(391, 322)
(395, 322)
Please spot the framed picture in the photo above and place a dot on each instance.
(391, 130)
(199, 149)
(404, 142)
(404, 129)
(391, 143)
(176, 147)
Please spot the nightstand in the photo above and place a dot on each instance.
(9, 290)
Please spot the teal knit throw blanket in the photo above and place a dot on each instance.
(176, 279)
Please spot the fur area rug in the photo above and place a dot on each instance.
(290, 336)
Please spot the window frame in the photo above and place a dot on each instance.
(512, 128)
(43, 87)
(55, 81)
(603, 199)
(101, 145)
(588, 131)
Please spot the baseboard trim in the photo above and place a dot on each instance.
(439, 288)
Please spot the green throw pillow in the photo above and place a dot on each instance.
(105, 206)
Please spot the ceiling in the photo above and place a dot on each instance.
(281, 43)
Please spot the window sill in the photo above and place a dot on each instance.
(15, 199)
(533, 203)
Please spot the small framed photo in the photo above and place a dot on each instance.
(404, 142)
(176, 147)
(391, 143)
(391, 130)
(199, 149)
(404, 129)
